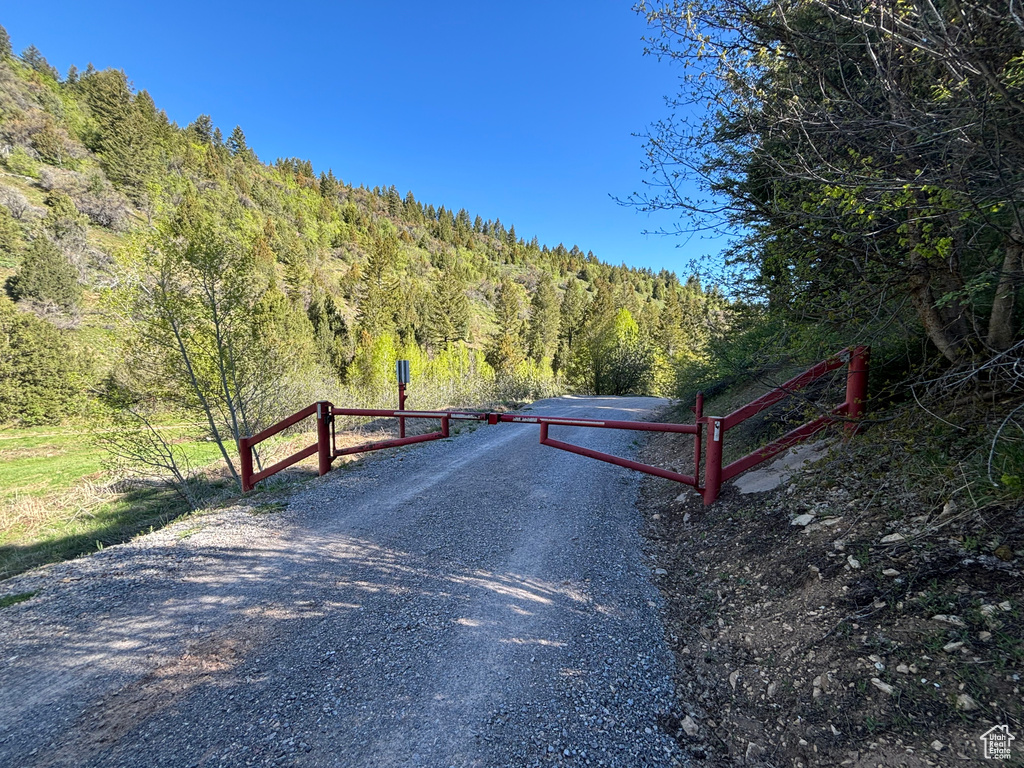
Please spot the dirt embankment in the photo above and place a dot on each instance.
(839, 620)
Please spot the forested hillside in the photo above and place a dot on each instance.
(157, 269)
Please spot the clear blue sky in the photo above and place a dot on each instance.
(520, 111)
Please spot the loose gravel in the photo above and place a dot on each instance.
(477, 601)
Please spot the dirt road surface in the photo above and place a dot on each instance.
(478, 601)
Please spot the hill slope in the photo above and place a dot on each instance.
(95, 176)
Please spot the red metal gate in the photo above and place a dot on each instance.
(852, 409)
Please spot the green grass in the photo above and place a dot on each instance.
(68, 532)
(37, 461)
(182, 535)
(269, 508)
(55, 499)
(21, 597)
(40, 461)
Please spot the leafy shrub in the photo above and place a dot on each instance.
(21, 162)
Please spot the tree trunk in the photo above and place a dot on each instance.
(1000, 324)
(938, 329)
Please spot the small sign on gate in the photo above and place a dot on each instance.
(402, 371)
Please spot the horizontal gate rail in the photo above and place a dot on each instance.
(639, 426)
(785, 390)
(618, 460)
(776, 447)
(380, 445)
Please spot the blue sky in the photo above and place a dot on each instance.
(520, 111)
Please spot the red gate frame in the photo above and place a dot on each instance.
(850, 411)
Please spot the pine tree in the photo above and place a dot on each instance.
(445, 228)
(448, 310)
(379, 285)
(508, 347)
(671, 337)
(542, 336)
(328, 185)
(412, 211)
(236, 142)
(573, 312)
(393, 201)
(202, 129)
(5, 44)
(39, 367)
(34, 59)
(592, 346)
(330, 331)
(45, 276)
(126, 139)
(65, 225)
(49, 143)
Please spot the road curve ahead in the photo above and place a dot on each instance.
(477, 601)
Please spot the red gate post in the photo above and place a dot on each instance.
(245, 460)
(713, 459)
(324, 444)
(856, 387)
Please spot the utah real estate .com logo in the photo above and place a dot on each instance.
(996, 741)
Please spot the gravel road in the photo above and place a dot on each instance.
(478, 601)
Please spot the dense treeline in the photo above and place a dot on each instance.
(215, 285)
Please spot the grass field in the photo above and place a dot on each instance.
(58, 499)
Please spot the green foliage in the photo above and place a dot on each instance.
(614, 357)
(379, 298)
(448, 310)
(19, 161)
(236, 142)
(34, 59)
(279, 281)
(211, 334)
(331, 331)
(508, 347)
(63, 223)
(11, 241)
(545, 321)
(42, 380)
(127, 126)
(5, 43)
(20, 597)
(45, 276)
(50, 145)
(870, 171)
